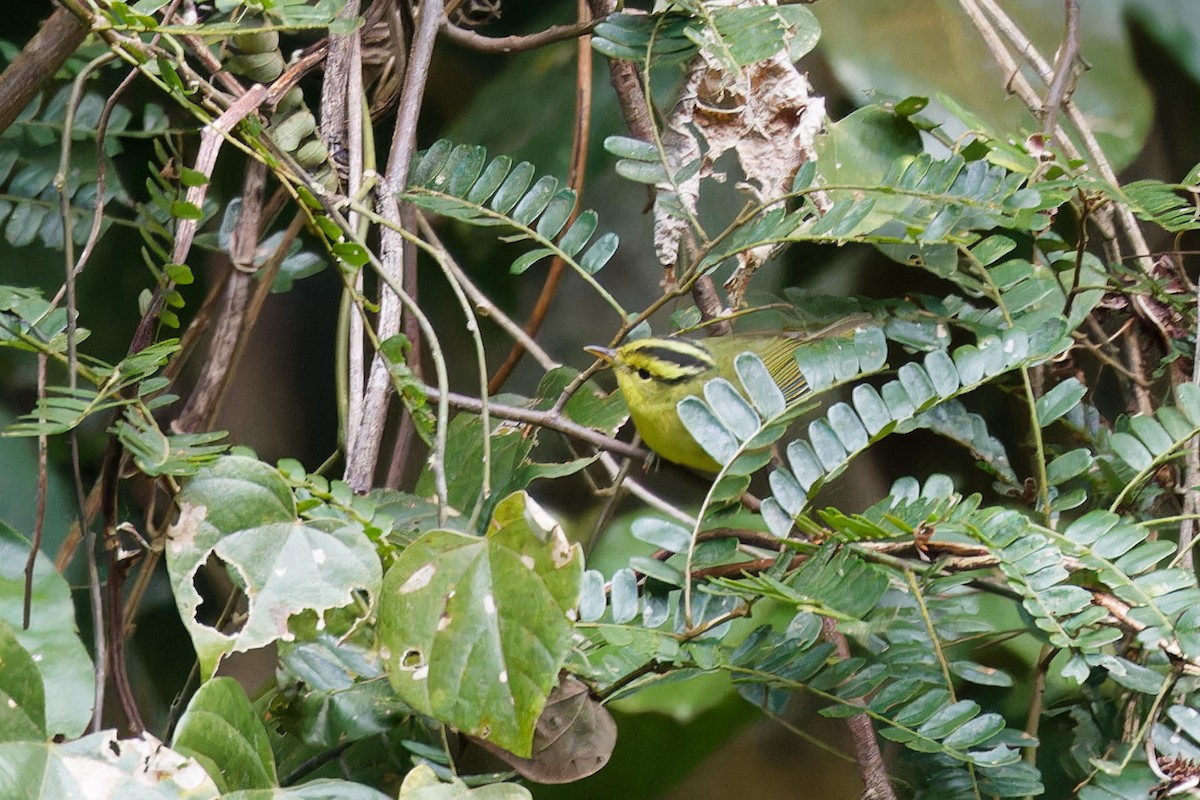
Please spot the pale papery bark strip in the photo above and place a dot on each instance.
(361, 461)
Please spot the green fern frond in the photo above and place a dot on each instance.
(28, 322)
(1147, 441)
(944, 201)
(30, 152)
(64, 408)
(459, 182)
(846, 431)
(157, 453)
(1163, 204)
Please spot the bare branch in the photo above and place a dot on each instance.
(361, 461)
(50, 47)
(1064, 71)
(516, 44)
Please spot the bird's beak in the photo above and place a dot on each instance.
(603, 353)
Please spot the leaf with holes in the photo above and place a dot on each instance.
(240, 515)
(474, 630)
(102, 766)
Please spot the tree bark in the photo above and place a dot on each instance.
(48, 50)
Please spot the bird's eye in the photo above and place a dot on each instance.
(644, 374)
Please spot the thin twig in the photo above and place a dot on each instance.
(96, 229)
(1037, 699)
(1191, 496)
(876, 785)
(407, 431)
(338, 100)
(487, 308)
(516, 44)
(211, 139)
(579, 148)
(1098, 352)
(360, 463)
(543, 419)
(1064, 70)
(39, 518)
(480, 360)
(627, 84)
(639, 490)
(1021, 44)
(315, 762)
(60, 181)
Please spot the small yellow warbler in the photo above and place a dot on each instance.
(655, 374)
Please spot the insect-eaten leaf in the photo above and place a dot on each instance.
(474, 630)
(239, 511)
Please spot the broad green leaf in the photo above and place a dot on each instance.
(871, 409)
(848, 428)
(513, 187)
(627, 147)
(1145, 556)
(1152, 434)
(870, 344)
(340, 693)
(462, 169)
(489, 181)
(578, 234)
(648, 172)
(52, 640)
(659, 570)
(1132, 676)
(599, 253)
(976, 732)
(511, 467)
(589, 405)
(826, 445)
(475, 629)
(222, 731)
(760, 387)
(526, 260)
(916, 383)
(554, 218)
(805, 466)
(741, 36)
(535, 200)
(942, 373)
(241, 511)
(787, 492)
(859, 150)
(22, 695)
